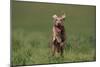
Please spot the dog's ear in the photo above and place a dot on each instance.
(63, 16)
(54, 16)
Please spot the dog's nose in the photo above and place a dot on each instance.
(59, 24)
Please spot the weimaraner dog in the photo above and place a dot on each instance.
(58, 38)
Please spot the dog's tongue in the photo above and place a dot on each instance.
(58, 30)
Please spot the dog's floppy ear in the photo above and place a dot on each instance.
(54, 16)
(63, 16)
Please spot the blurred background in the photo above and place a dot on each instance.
(32, 32)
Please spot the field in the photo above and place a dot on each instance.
(31, 27)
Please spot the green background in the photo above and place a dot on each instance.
(31, 24)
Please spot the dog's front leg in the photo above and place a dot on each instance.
(54, 34)
(53, 42)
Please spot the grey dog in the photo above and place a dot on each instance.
(58, 37)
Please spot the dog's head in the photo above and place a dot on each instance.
(59, 20)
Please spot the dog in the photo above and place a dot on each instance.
(58, 37)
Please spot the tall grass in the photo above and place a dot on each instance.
(33, 48)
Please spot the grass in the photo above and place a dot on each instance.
(32, 29)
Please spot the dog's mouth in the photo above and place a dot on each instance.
(58, 27)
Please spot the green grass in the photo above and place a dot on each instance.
(32, 31)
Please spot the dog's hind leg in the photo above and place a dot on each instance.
(53, 50)
(61, 49)
(58, 47)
